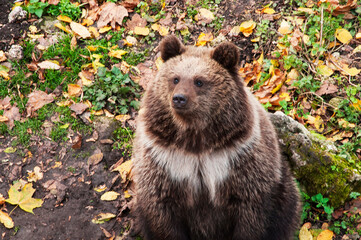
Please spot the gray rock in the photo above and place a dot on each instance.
(316, 162)
(15, 52)
(17, 14)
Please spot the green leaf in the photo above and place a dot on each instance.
(39, 12)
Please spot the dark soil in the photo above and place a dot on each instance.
(9, 32)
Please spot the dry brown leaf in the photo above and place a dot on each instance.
(325, 235)
(12, 115)
(5, 103)
(79, 108)
(129, 4)
(38, 99)
(136, 21)
(53, 2)
(111, 13)
(77, 142)
(34, 176)
(327, 88)
(96, 158)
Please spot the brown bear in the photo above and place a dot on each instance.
(206, 157)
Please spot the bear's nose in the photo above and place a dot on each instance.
(179, 101)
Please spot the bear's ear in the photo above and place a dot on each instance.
(227, 55)
(171, 47)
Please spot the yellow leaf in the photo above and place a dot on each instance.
(122, 117)
(184, 31)
(324, 70)
(247, 27)
(255, 39)
(74, 90)
(285, 28)
(126, 194)
(85, 81)
(109, 196)
(10, 150)
(325, 235)
(100, 188)
(3, 118)
(358, 36)
(23, 198)
(306, 10)
(304, 233)
(60, 26)
(105, 29)
(357, 105)
(102, 218)
(130, 41)
(163, 31)
(155, 26)
(158, 62)
(343, 35)
(317, 122)
(6, 220)
(117, 53)
(92, 48)
(350, 71)
(203, 38)
(260, 59)
(124, 169)
(268, 10)
(94, 31)
(293, 74)
(63, 103)
(64, 18)
(2, 56)
(4, 75)
(144, 31)
(87, 22)
(285, 96)
(357, 49)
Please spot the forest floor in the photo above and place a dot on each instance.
(72, 140)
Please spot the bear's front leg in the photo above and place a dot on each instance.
(159, 221)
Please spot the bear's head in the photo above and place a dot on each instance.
(197, 92)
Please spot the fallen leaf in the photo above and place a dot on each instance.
(60, 26)
(2, 56)
(247, 27)
(125, 170)
(103, 217)
(64, 18)
(38, 99)
(78, 108)
(204, 16)
(35, 175)
(268, 10)
(23, 198)
(100, 188)
(111, 13)
(326, 88)
(117, 53)
(306, 10)
(49, 65)
(136, 21)
(105, 29)
(126, 194)
(144, 31)
(74, 90)
(86, 77)
(325, 235)
(285, 28)
(80, 30)
(96, 158)
(304, 233)
(6, 220)
(77, 142)
(324, 70)
(343, 35)
(12, 115)
(358, 35)
(109, 196)
(10, 150)
(204, 38)
(130, 4)
(317, 122)
(350, 71)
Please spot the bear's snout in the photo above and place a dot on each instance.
(179, 101)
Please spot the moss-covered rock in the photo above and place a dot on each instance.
(315, 161)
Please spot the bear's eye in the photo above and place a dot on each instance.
(198, 83)
(175, 80)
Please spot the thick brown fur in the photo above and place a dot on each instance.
(210, 169)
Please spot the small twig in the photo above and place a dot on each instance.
(349, 75)
(321, 32)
